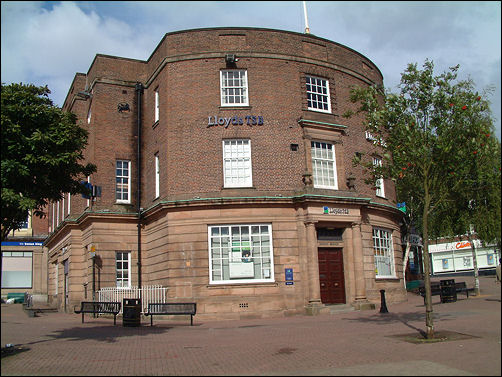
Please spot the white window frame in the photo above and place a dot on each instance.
(123, 185)
(318, 94)
(321, 162)
(242, 87)
(157, 105)
(157, 176)
(128, 269)
(237, 158)
(26, 224)
(88, 200)
(264, 263)
(379, 183)
(383, 251)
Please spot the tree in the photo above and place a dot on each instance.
(41, 153)
(424, 132)
(477, 204)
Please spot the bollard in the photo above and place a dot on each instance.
(383, 305)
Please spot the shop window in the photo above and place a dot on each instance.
(234, 88)
(324, 165)
(240, 254)
(384, 253)
(17, 269)
(318, 98)
(123, 269)
(237, 169)
(122, 179)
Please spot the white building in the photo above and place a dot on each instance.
(456, 256)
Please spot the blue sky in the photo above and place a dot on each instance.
(48, 42)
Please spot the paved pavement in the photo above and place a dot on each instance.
(345, 343)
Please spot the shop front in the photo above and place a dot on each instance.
(451, 257)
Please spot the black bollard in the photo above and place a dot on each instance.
(383, 305)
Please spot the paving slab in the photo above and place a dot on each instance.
(338, 343)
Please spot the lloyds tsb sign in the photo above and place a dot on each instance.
(249, 120)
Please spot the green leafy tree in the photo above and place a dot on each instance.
(476, 207)
(41, 153)
(424, 132)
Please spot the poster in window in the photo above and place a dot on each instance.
(412, 260)
(241, 264)
(445, 264)
(490, 258)
(467, 261)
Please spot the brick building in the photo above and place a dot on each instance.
(225, 176)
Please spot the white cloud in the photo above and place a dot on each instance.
(50, 46)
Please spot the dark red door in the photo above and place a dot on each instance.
(331, 276)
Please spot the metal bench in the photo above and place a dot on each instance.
(97, 307)
(435, 290)
(173, 308)
(461, 287)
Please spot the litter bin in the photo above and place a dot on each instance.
(131, 312)
(448, 290)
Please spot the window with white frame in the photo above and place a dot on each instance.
(318, 98)
(234, 88)
(88, 181)
(157, 176)
(237, 169)
(324, 165)
(383, 252)
(122, 181)
(123, 269)
(379, 185)
(157, 104)
(240, 253)
(26, 223)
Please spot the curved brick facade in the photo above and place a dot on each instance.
(304, 219)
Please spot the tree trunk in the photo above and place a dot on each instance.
(427, 269)
(475, 264)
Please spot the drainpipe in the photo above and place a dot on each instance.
(139, 92)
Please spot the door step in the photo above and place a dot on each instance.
(337, 308)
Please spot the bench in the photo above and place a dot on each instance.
(173, 308)
(435, 290)
(18, 297)
(97, 307)
(462, 288)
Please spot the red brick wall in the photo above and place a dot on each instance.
(190, 153)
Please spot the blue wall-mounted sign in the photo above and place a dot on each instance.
(14, 243)
(288, 276)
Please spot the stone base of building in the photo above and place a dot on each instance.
(363, 305)
(314, 308)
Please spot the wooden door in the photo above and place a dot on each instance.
(331, 275)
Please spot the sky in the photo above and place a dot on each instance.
(47, 42)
